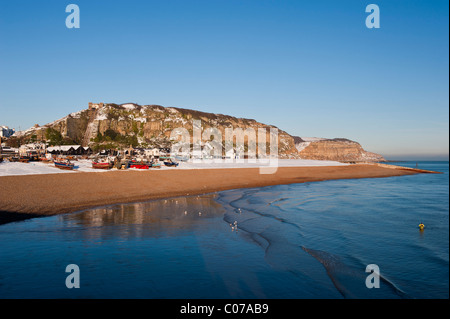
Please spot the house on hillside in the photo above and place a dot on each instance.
(6, 131)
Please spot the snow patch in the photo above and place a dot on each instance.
(301, 146)
(76, 114)
(140, 119)
(129, 106)
(101, 114)
(313, 139)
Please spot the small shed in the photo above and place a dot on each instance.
(69, 150)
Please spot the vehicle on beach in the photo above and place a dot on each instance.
(24, 159)
(33, 156)
(121, 163)
(64, 164)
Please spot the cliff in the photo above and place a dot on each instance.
(110, 125)
(339, 149)
(117, 126)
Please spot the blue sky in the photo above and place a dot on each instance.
(312, 68)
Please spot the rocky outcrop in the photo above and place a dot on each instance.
(343, 150)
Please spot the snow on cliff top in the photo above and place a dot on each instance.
(312, 139)
(129, 106)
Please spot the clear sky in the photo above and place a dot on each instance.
(312, 68)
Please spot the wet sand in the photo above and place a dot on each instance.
(30, 196)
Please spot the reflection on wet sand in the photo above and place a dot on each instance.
(169, 216)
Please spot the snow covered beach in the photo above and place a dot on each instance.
(39, 168)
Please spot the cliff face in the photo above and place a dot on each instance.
(119, 126)
(336, 150)
(150, 126)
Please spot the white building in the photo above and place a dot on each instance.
(152, 152)
(26, 148)
(6, 131)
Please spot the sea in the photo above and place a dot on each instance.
(340, 239)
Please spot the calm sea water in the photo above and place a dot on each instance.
(311, 240)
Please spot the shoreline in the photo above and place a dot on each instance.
(31, 196)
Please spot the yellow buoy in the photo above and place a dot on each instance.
(421, 226)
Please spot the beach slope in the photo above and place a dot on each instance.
(29, 196)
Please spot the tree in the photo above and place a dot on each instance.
(53, 136)
(98, 138)
(13, 142)
(111, 134)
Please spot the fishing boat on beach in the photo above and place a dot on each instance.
(156, 165)
(139, 165)
(169, 162)
(182, 158)
(101, 165)
(64, 164)
(45, 159)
